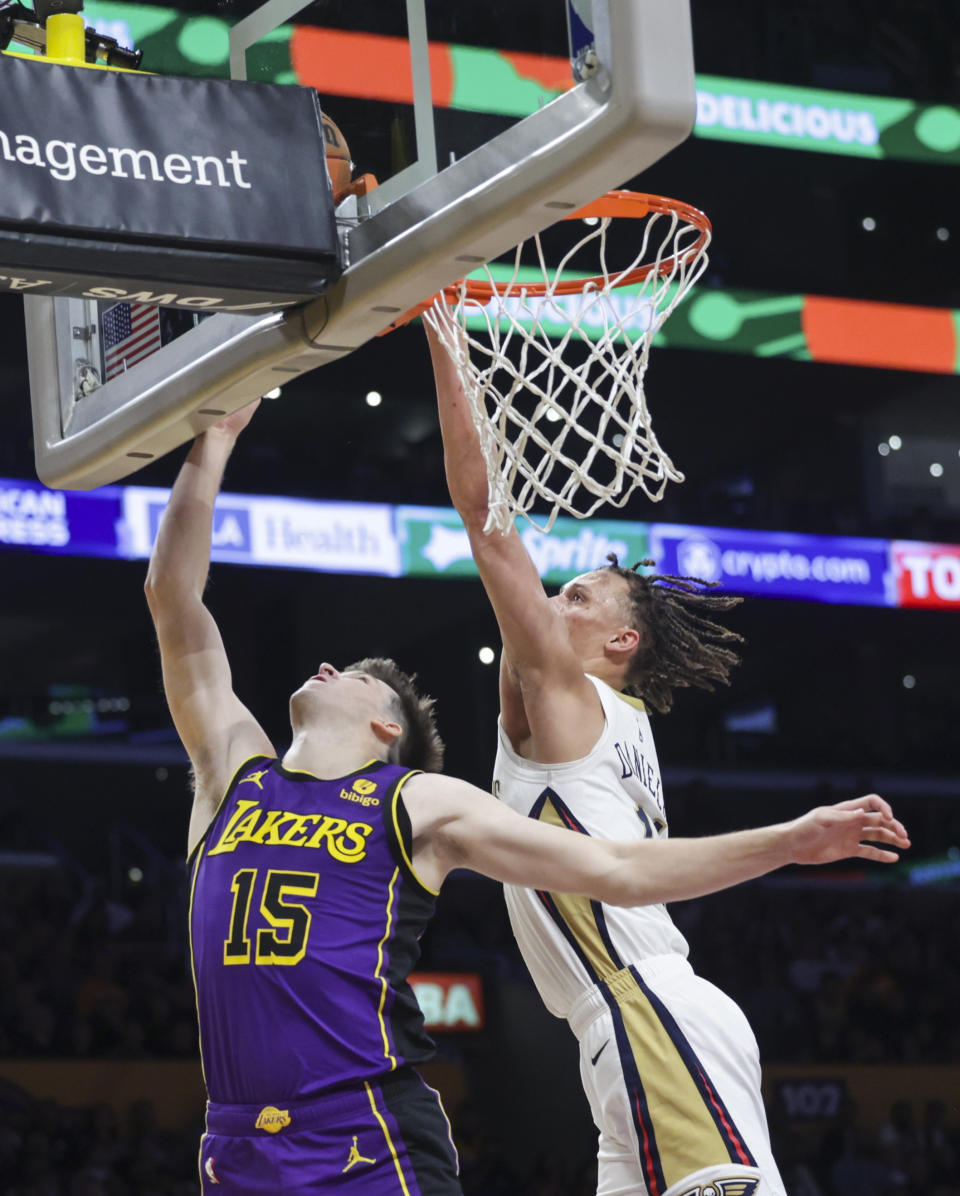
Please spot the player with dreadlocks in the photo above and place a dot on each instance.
(680, 646)
(668, 1061)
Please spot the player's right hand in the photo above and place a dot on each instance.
(848, 830)
(234, 424)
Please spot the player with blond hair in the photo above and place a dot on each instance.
(313, 872)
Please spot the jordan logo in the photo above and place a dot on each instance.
(256, 777)
(355, 1157)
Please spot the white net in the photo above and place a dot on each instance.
(553, 365)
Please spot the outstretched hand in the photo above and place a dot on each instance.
(848, 830)
(234, 424)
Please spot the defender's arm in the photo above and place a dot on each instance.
(540, 677)
(458, 826)
(215, 727)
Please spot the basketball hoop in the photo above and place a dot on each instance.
(552, 360)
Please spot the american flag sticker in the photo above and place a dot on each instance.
(131, 332)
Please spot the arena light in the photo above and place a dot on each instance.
(374, 398)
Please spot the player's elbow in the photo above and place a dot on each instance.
(167, 593)
(153, 590)
(471, 507)
(158, 588)
(625, 879)
(612, 879)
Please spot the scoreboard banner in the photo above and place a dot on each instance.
(180, 187)
(383, 540)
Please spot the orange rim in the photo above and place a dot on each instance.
(630, 205)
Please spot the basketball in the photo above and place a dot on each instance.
(339, 164)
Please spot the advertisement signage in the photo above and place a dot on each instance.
(328, 537)
(433, 543)
(926, 575)
(799, 117)
(382, 540)
(68, 523)
(179, 188)
(777, 564)
(513, 83)
(449, 1001)
(886, 336)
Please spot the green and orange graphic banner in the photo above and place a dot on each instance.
(480, 79)
(820, 328)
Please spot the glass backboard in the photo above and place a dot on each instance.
(481, 122)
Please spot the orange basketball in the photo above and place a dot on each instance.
(339, 165)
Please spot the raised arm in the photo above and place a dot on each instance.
(542, 684)
(456, 825)
(216, 729)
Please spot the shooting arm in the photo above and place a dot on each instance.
(180, 561)
(216, 729)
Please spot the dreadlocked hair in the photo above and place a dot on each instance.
(680, 645)
(420, 745)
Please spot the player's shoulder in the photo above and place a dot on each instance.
(428, 786)
(615, 700)
(435, 796)
(213, 784)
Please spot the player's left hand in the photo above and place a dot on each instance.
(873, 801)
(848, 830)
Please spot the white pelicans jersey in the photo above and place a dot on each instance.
(570, 943)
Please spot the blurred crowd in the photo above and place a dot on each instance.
(858, 975)
(84, 975)
(911, 1154)
(47, 1149)
(838, 975)
(855, 974)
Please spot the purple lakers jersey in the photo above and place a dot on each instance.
(305, 916)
